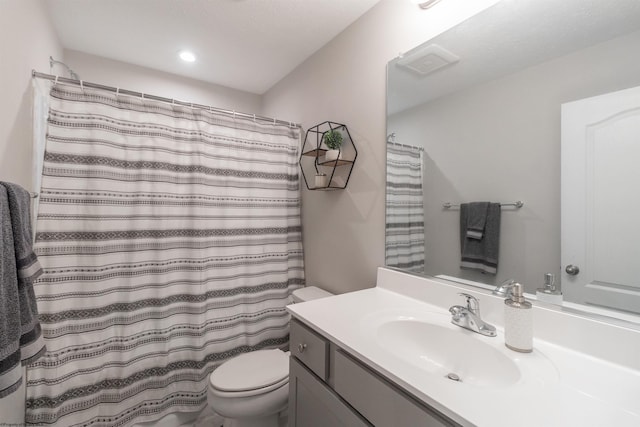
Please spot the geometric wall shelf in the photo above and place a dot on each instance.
(321, 168)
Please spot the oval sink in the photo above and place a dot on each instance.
(442, 351)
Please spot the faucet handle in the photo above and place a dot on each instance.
(472, 302)
(457, 311)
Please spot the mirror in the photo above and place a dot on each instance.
(478, 114)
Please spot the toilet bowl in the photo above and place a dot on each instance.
(252, 389)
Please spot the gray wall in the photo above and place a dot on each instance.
(501, 142)
(345, 82)
(27, 39)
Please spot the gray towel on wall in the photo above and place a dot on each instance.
(481, 254)
(20, 334)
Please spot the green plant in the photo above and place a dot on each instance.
(333, 139)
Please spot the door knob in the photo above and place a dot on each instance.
(572, 270)
(301, 348)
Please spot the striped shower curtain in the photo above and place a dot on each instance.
(170, 240)
(404, 231)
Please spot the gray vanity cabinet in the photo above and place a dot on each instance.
(329, 387)
(313, 404)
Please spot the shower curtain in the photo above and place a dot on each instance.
(404, 230)
(170, 238)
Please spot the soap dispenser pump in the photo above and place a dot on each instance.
(518, 321)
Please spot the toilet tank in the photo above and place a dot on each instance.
(309, 293)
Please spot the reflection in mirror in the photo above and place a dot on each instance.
(490, 105)
(404, 239)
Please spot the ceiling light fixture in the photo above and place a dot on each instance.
(425, 4)
(187, 56)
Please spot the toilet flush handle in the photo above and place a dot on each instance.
(301, 348)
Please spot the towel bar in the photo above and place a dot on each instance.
(517, 204)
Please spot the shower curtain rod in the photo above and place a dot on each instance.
(406, 145)
(36, 74)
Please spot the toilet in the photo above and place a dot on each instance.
(250, 390)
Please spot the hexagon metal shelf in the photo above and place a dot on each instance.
(313, 163)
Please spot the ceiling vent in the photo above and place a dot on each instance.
(427, 60)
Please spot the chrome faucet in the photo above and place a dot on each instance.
(504, 288)
(469, 317)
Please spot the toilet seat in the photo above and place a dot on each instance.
(250, 374)
(249, 393)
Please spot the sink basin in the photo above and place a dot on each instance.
(442, 350)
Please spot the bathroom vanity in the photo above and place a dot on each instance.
(390, 356)
(330, 387)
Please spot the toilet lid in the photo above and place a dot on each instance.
(250, 371)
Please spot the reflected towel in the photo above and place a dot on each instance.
(476, 219)
(20, 334)
(481, 254)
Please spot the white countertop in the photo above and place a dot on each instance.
(559, 386)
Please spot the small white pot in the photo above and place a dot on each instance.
(321, 180)
(332, 155)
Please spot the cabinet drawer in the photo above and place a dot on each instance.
(380, 402)
(310, 348)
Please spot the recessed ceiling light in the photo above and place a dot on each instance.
(187, 56)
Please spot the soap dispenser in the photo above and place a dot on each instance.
(549, 292)
(518, 321)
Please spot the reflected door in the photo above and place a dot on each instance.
(601, 200)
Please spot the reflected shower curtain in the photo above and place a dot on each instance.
(404, 231)
(171, 241)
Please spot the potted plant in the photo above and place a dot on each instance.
(333, 140)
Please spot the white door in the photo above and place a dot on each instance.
(601, 200)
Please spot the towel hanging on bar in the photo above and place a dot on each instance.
(480, 254)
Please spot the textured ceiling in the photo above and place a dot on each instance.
(510, 36)
(243, 44)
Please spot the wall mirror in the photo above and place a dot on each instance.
(514, 105)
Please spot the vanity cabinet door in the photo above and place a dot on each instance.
(379, 401)
(313, 404)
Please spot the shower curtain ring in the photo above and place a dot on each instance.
(117, 92)
(55, 82)
(82, 86)
(254, 118)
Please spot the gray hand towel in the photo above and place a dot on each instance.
(476, 219)
(20, 334)
(481, 254)
(10, 368)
